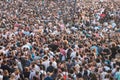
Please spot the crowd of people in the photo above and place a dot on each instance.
(59, 40)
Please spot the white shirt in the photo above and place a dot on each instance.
(73, 54)
(1, 77)
(106, 68)
(16, 76)
(37, 68)
(103, 75)
(32, 74)
(46, 63)
(54, 64)
(113, 71)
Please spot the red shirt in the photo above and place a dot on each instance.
(102, 15)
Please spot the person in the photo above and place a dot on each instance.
(48, 77)
(50, 68)
(117, 74)
(12, 77)
(6, 75)
(17, 74)
(32, 72)
(26, 72)
(55, 74)
(5, 66)
(46, 62)
(113, 50)
(37, 76)
(107, 77)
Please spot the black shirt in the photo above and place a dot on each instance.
(26, 74)
(50, 69)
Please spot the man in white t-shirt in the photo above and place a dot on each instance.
(46, 62)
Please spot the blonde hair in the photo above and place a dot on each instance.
(5, 72)
(17, 71)
(12, 77)
(27, 69)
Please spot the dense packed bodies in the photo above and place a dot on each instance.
(59, 40)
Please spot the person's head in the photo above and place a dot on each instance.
(5, 62)
(37, 73)
(40, 61)
(50, 63)
(26, 79)
(109, 71)
(113, 44)
(107, 76)
(27, 69)
(118, 69)
(48, 74)
(12, 77)
(41, 67)
(55, 70)
(96, 69)
(104, 69)
(93, 76)
(45, 58)
(5, 72)
(17, 71)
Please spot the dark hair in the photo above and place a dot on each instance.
(55, 70)
(118, 69)
(107, 76)
(97, 60)
(96, 69)
(93, 76)
(50, 63)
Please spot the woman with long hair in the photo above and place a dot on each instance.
(6, 75)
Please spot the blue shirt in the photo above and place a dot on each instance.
(117, 75)
(96, 48)
(48, 78)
